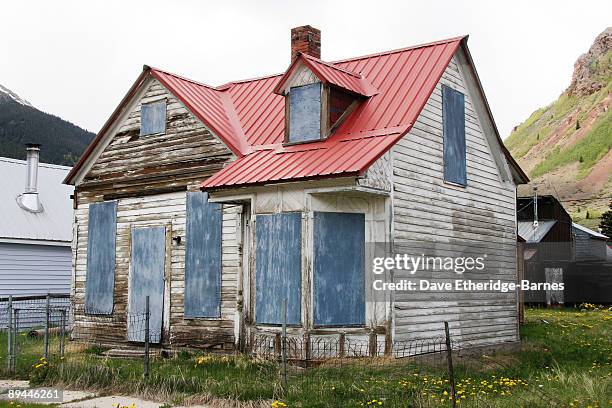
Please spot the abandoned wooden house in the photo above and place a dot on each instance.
(220, 203)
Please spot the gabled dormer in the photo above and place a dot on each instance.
(318, 95)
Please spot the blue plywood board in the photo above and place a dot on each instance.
(278, 274)
(147, 279)
(339, 269)
(203, 257)
(100, 277)
(453, 118)
(305, 113)
(153, 118)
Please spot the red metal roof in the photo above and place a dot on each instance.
(329, 73)
(249, 116)
(213, 107)
(404, 80)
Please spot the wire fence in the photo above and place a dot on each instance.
(35, 328)
(406, 372)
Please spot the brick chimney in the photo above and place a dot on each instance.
(307, 40)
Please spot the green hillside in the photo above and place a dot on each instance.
(565, 146)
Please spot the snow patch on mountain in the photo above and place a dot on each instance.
(12, 95)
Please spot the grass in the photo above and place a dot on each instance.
(564, 361)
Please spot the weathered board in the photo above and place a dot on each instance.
(101, 258)
(339, 262)
(147, 279)
(278, 259)
(203, 257)
(453, 124)
(305, 113)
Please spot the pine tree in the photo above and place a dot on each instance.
(606, 222)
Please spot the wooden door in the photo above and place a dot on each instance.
(146, 279)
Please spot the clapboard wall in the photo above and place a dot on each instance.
(149, 177)
(588, 248)
(429, 213)
(34, 269)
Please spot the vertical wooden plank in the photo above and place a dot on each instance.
(153, 118)
(278, 268)
(100, 276)
(147, 279)
(339, 269)
(203, 257)
(453, 118)
(305, 113)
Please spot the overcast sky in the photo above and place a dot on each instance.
(76, 59)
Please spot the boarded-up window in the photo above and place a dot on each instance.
(453, 118)
(305, 113)
(339, 262)
(153, 118)
(203, 257)
(100, 279)
(278, 261)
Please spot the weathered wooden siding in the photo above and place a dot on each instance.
(132, 164)
(165, 210)
(428, 211)
(149, 176)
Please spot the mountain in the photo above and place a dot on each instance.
(20, 123)
(565, 147)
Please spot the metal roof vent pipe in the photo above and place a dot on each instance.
(29, 200)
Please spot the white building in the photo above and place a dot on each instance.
(35, 228)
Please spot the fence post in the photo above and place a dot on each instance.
(341, 345)
(9, 309)
(284, 343)
(449, 359)
(146, 342)
(47, 320)
(62, 331)
(15, 346)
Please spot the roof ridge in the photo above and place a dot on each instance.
(241, 81)
(331, 65)
(409, 48)
(193, 81)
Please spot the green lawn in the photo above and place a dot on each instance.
(564, 362)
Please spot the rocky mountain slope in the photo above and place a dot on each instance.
(565, 147)
(20, 122)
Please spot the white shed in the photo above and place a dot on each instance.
(36, 228)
